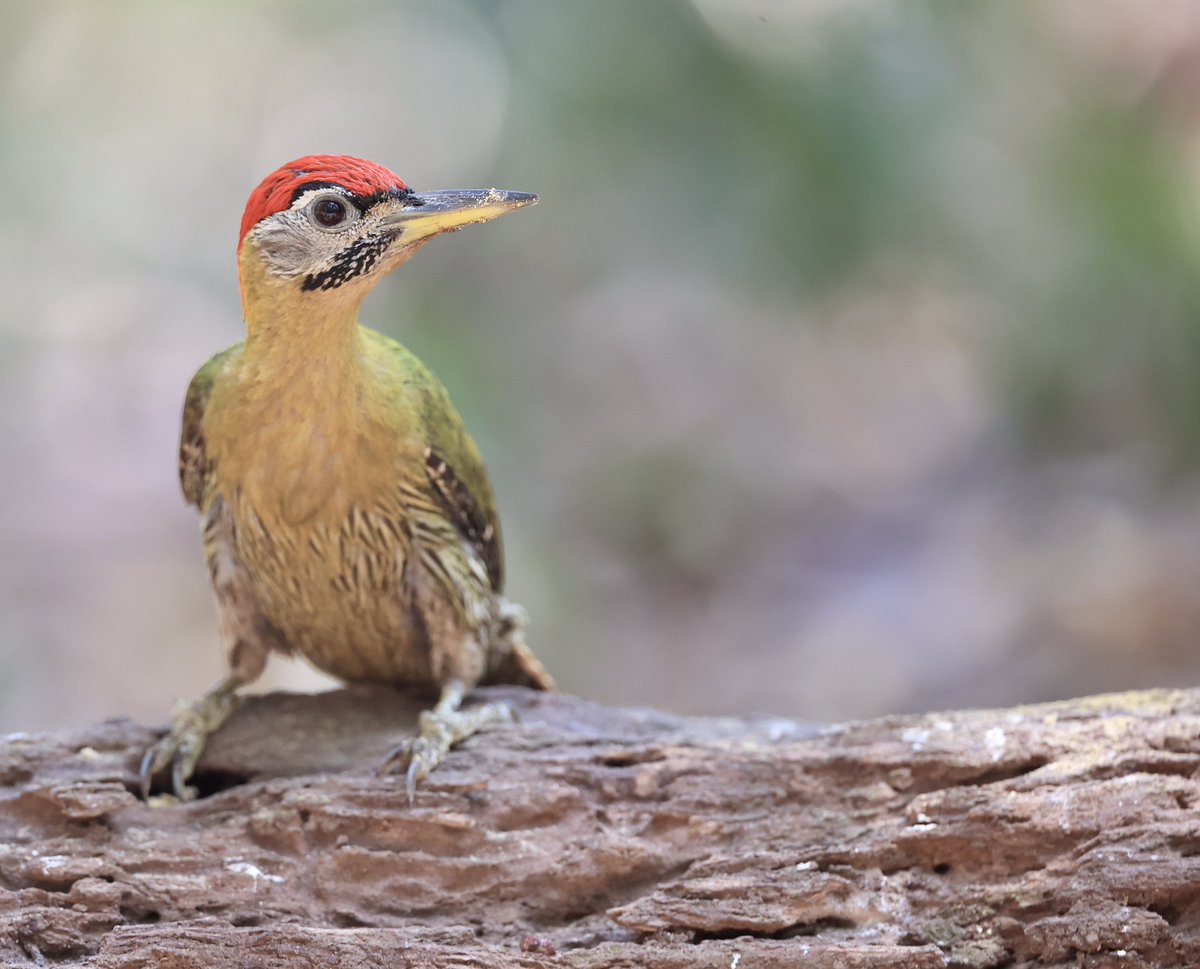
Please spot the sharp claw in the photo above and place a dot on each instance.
(181, 746)
(146, 771)
(394, 756)
(439, 730)
(410, 781)
(407, 751)
(178, 785)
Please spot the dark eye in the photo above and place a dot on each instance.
(331, 211)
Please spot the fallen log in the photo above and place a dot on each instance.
(1056, 835)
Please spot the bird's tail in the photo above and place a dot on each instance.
(513, 660)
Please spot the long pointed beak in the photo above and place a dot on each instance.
(427, 214)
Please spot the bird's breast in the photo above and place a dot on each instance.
(336, 592)
(302, 458)
(323, 539)
(319, 475)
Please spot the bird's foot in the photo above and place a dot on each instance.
(440, 729)
(181, 746)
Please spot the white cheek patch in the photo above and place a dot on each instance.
(288, 246)
(292, 247)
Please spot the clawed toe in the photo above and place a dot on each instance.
(440, 729)
(181, 746)
(421, 754)
(178, 752)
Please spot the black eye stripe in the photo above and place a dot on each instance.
(364, 202)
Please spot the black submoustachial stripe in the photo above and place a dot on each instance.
(356, 259)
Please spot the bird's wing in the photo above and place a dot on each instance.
(455, 470)
(193, 462)
(474, 515)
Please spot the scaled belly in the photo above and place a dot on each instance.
(335, 594)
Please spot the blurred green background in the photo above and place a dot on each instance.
(851, 363)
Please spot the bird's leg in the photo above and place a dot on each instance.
(248, 639)
(440, 729)
(184, 742)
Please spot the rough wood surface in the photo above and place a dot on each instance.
(1060, 835)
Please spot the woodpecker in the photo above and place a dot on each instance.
(346, 513)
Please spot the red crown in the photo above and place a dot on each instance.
(276, 192)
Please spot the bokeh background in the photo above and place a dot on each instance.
(850, 365)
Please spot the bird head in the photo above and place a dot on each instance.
(335, 225)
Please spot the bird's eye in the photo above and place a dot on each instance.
(331, 211)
